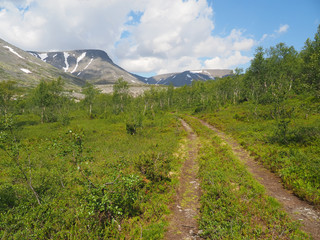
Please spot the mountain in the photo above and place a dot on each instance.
(78, 66)
(27, 70)
(186, 77)
(94, 66)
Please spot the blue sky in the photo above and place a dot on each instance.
(260, 17)
(257, 18)
(151, 37)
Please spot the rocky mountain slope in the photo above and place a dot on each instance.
(186, 77)
(27, 70)
(94, 66)
(78, 66)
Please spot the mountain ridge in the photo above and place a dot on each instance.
(27, 70)
(187, 77)
(92, 65)
(95, 66)
(79, 66)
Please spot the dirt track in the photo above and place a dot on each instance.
(296, 208)
(183, 222)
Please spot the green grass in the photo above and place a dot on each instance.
(96, 181)
(296, 160)
(69, 166)
(234, 205)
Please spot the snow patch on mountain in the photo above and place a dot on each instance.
(208, 74)
(88, 64)
(78, 60)
(25, 70)
(196, 71)
(82, 56)
(43, 56)
(66, 55)
(34, 54)
(14, 52)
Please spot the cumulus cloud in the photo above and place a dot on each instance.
(60, 24)
(224, 46)
(178, 34)
(231, 61)
(141, 36)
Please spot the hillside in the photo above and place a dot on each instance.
(94, 66)
(97, 67)
(27, 70)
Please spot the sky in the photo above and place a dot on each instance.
(150, 37)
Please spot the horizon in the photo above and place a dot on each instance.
(149, 38)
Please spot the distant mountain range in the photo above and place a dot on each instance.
(79, 66)
(187, 77)
(97, 67)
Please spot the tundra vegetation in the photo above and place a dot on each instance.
(107, 167)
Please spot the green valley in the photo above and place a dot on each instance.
(108, 166)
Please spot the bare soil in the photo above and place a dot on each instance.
(295, 207)
(185, 210)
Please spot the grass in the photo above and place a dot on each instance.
(234, 205)
(296, 158)
(94, 180)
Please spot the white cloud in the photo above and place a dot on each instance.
(171, 35)
(220, 46)
(142, 64)
(265, 36)
(178, 34)
(283, 29)
(60, 24)
(228, 62)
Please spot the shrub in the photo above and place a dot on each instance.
(155, 166)
(115, 200)
(131, 128)
(240, 117)
(305, 135)
(8, 197)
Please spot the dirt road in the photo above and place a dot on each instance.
(296, 208)
(183, 222)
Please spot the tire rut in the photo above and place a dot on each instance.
(295, 207)
(183, 223)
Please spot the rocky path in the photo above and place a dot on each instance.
(183, 222)
(296, 208)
